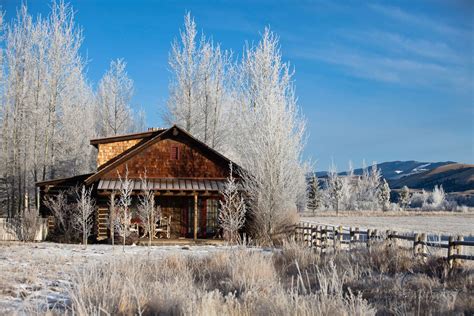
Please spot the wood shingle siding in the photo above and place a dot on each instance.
(158, 163)
(110, 150)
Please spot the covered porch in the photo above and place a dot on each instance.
(189, 207)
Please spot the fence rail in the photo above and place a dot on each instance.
(323, 237)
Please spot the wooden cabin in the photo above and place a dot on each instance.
(186, 176)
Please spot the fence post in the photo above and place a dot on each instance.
(318, 238)
(334, 239)
(450, 252)
(326, 241)
(340, 237)
(369, 235)
(356, 234)
(351, 237)
(394, 240)
(416, 244)
(459, 247)
(313, 233)
(423, 246)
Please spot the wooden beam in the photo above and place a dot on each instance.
(195, 215)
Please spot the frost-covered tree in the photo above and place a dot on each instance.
(438, 197)
(183, 98)
(148, 211)
(435, 200)
(366, 190)
(112, 221)
(404, 197)
(63, 214)
(83, 215)
(268, 138)
(46, 104)
(123, 215)
(384, 195)
(114, 94)
(314, 199)
(232, 209)
(335, 188)
(199, 93)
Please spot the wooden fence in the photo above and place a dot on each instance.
(324, 237)
(7, 233)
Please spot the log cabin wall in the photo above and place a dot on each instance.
(108, 151)
(170, 158)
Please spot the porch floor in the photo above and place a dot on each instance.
(181, 242)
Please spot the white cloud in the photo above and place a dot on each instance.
(398, 43)
(420, 20)
(397, 70)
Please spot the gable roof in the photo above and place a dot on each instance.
(120, 138)
(139, 147)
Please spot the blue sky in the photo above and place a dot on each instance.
(379, 81)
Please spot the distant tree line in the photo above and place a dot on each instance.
(369, 192)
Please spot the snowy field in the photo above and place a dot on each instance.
(34, 274)
(445, 223)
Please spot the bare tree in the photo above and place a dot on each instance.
(85, 207)
(199, 89)
(25, 224)
(148, 211)
(46, 103)
(183, 62)
(123, 216)
(113, 100)
(112, 215)
(233, 209)
(268, 139)
(63, 214)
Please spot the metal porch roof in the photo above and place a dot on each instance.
(165, 184)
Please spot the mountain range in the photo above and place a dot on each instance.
(454, 177)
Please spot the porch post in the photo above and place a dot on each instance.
(195, 215)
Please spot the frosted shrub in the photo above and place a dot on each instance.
(432, 201)
(418, 199)
(438, 197)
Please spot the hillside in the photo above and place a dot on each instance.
(454, 177)
(398, 169)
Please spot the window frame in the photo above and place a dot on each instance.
(175, 152)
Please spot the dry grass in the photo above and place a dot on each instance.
(292, 280)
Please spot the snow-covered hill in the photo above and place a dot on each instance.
(398, 169)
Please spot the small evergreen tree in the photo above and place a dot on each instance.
(314, 194)
(404, 197)
(335, 187)
(384, 195)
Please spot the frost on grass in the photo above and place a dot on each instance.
(209, 280)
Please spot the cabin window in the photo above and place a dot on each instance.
(212, 216)
(174, 152)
